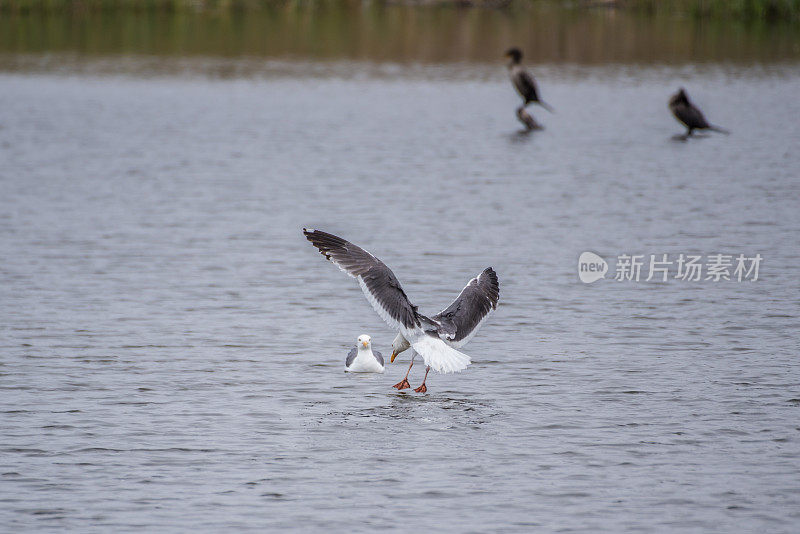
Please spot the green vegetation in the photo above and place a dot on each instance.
(756, 10)
(386, 32)
(770, 10)
(80, 6)
(95, 6)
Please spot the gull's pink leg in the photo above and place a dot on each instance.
(422, 388)
(403, 384)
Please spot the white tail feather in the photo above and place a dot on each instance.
(439, 356)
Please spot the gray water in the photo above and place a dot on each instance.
(172, 348)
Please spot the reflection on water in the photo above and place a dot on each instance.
(399, 34)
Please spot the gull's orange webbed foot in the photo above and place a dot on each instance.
(403, 384)
(421, 389)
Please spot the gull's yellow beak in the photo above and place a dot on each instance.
(364, 343)
(394, 355)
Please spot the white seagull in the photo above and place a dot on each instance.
(361, 359)
(434, 338)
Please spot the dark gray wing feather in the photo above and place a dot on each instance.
(351, 356)
(475, 302)
(378, 356)
(385, 293)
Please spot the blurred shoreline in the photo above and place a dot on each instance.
(381, 33)
(255, 68)
(762, 10)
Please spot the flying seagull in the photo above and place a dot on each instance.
(523, 81)
(689, 114)
(434, 338)
(361, 359)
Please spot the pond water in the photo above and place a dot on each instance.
(173, 348)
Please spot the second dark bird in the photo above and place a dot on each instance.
(689, 114)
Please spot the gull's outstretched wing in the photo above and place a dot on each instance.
(461, 320)
(378, 282)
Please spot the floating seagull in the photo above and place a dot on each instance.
(523, 81)
(434, 338)
(689, 114)
(361, 359)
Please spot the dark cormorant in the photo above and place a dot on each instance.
(689, 114)
(523, 81)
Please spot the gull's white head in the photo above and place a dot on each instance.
(399, 345)
(363, 341)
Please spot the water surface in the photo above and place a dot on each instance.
(172, 348)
